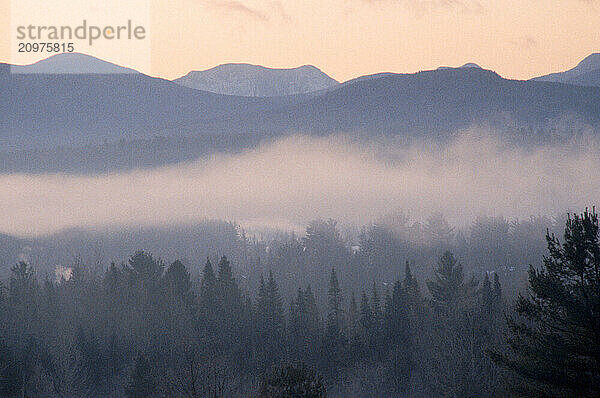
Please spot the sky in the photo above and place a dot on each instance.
(348, 38)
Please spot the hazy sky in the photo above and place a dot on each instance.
(348, 38)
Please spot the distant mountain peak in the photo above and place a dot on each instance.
(471, 65)
(585, 73)
(465, 66)
(589, 63)
(78, 63)
(249, 80)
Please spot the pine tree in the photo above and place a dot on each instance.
(293, 327)
(91, 367)
(556, 341)
(145, 268)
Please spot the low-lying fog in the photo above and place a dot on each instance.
(285, 184)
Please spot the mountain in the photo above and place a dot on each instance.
(257, 81)
(188, 123)
(471, 65)
(72, 63)
(434, 102)
(586, 73)
(467, 65)
(591, 79)
(49, 109)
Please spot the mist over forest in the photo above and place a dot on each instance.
(282, 185)
(397, 235)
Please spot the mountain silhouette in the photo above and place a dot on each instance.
(72, 63)
(42, 111)
(43, 107)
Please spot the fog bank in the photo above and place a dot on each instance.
(287, 183)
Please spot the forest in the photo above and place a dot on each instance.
(317, 316)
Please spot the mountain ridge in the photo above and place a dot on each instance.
(72, 63)
(250, 80)
(44, 111)
(583, 74)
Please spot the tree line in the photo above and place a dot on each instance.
(145, 328)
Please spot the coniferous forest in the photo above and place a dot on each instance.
(312, 317)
